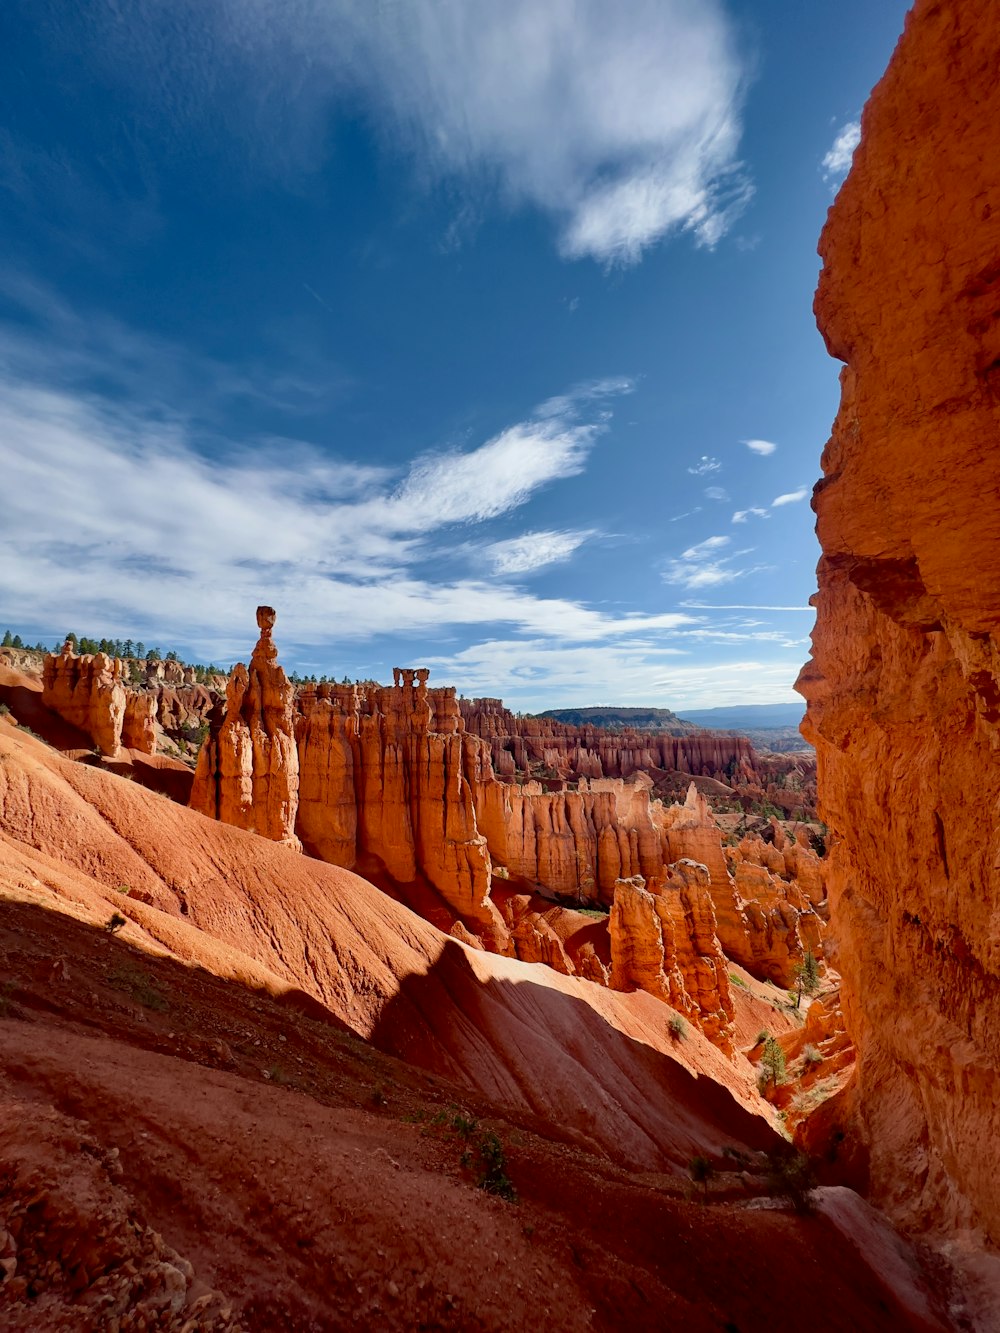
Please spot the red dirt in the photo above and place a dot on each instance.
(185, 1116)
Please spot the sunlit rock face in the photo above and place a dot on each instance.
(248, 769)
(88, 692)
(904, 687)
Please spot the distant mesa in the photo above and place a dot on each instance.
(659, 719)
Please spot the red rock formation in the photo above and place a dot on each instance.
(248, 770)
(391, 784)
(88, 692)
(904, 686)
(663, 941)
(387, 777)
(765, 919)
(139, 722)
(529, 744)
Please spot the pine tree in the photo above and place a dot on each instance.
(8, 640)
(772, 1062)
(16, 642)
(807, 978)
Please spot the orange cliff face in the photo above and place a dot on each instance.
(248, 769)
(522, 744)
(385, 780)
(89, 693)
(903, 690)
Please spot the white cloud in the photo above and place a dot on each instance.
(741, 606)
(742, 515)
(837, 162)
(533, 550)
(701, 566)
(538, 674)
(705, 548)
(620, 121)
(790, 498)
(113, 515)
(763, 447)
(718, 493)
(704, 466)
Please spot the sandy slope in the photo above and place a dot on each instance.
(190, 1126)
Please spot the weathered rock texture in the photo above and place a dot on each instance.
(248, 770)
(89, 693)
(904, 686)
(124, 704)
(552, 750)
(387, 781)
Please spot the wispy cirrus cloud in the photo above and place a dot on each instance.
(534, 550)
(837, 160)
(635, 672)
(705, 466)
(754, 511)
(621, 122)
(116, 514)
(704, 566)
(779, 502)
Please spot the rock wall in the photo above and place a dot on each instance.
(96, 694)
(388, 774)
(386, 780)
(903, 690)
(89, 693)
(525, 744)
(248, 769)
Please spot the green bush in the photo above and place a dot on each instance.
(678, 1027)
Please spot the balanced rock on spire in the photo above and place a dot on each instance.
(248, 769)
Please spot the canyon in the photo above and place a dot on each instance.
(334, 1005)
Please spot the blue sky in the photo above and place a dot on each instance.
(469, 335)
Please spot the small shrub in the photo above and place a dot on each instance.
(678, 1027)
(762, 1035)
(124, 889)
(493, 1177)
(701, 1171)
(791, 1174)
(4, 710)
(378, 1095)
(115, 923)
(737, 981)
(464, 1125)
(811, 1056)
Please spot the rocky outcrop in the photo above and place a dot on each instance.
(663, 941)
(387, 780)
(89, 693)
(248, 769)
(903, 690)
(766, 921)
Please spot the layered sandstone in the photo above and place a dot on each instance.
(663, 940)
(89, 693)
(548, 749)
(387, 775)
(248, 770)
(904, 686)
(387, 781)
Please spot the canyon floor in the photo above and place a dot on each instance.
(276, 1110)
